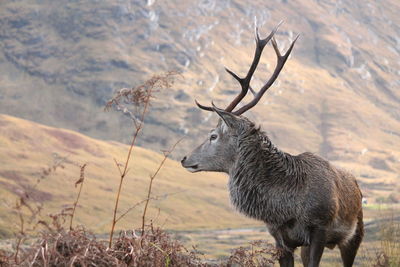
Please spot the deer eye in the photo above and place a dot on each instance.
(213, 137)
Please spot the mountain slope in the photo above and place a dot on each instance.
(337, 95)
(185, 201)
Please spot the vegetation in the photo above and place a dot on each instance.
(389, 254)
(139, 97)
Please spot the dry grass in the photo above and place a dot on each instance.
(260, 253)
(155, 247)
(389, 252)
(80, 248)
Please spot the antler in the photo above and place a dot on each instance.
(281, 60)
(245, 82)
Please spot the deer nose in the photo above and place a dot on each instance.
(183, 160)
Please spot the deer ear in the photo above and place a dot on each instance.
(227, 117)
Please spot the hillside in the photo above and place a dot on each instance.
(185, 201)
(337, 95)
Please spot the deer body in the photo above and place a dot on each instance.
(303, 199)
(292, 194)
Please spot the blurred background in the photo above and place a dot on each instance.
(60, 61)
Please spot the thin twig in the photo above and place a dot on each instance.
(143, 201)
(119, 168)
(21, 234)
(166, 155)
(130, 209)
(80, 181)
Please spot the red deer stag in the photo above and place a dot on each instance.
(303, 199)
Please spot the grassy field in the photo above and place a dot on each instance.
(185, 201)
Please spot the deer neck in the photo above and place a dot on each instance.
(260, 171)
(257, 154)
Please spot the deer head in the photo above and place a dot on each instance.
(219, 150)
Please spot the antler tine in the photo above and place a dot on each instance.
(245, 82)
(281, 60)
(203, 107)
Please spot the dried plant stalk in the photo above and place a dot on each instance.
(80, 181)
(147, 200)
(26, 201)
(139, 97)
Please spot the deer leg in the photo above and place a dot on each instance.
(317, 245)
(348, 250)
(305, 255)
(286, 259)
